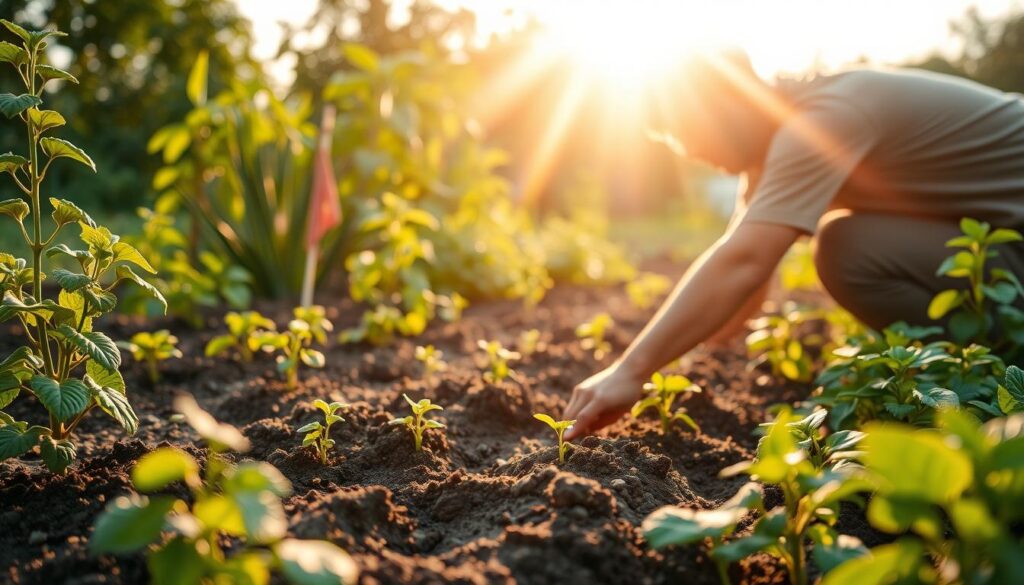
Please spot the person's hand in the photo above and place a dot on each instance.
(601, 399)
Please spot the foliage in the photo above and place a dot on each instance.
(661, 392)
(318, 434)
(645, 289)
(61, 341)
(529, 342)
(592, 335)
(497, 359)
(954, 496)
(418, 422)
(152, 348)
(833, 451)
(241, 502)
(294, 343)
(241, 336)
(432, 360)
(808, 515)
(559, 427)
(775, 339)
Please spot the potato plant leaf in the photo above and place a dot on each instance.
(15, 208)
(65, 212)
(64, 400)
(69, 281)
(124, 252)
(10, 53)
(57, 455)
(44, 120)
(94, 344)
(9, 162)
(16, 441)
(129, 523)
(126, 273)
(49, 73)
(56, 148)
(162, 467)
(104, 377)
(11, 105)
(114, 403)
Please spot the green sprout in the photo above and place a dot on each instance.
(775, 340)
(661, 393)
(529, 342)
(592, 335)
(418, 422)
(431, 357)
(152, 348)
(231, 503)
(646, 289)
(241, 336)
(319, 434)
(559, 427)
(294, 345)
(316, 317)
(498, 358)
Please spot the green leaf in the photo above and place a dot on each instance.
(832, 549)
(124, 252)
(177, 563)
(197, 79)
(32, 38)
(974, 228)
(49, 73)
(315, 562)
(65, 212)
(1003, 236)
(889, 563)
(964, 326)
(15, 208)
(63, 400)
(63, 249)
(130, 523)
(11, 306)
(57, 455)
(256, 477)
(262, 515)
(910, 464)
(70, 281)
(115, 403)
(219, 345)
(1014, 383)
(11, 105)
(13, 54)
(15, 441)
(100, 301)
(126, 273)
(56, 148)
(104, 377)
(10, 162)
(94, 344)
(766, 534)
(944, 302)
(44, 120)
(673, 525)
(162, 467)
(361, 56)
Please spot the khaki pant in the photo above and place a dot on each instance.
(882, 268)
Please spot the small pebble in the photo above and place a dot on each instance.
(618, 483)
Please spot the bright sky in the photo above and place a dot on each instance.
(782, 35)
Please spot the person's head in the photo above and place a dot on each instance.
(719, 110)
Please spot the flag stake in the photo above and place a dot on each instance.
(324, 207)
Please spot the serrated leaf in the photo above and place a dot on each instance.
(10, 53)
(11, 306)
(124, 252)
(63, 400)
(10, 162)
(126, 273)
(70, 281)
(115, 403)
(49, 73)
(57, 455)
(44, 120)
(104, 377)
(11, 105)
(15, 442)
(100, 301)
(94, 344)
(65, 212)
(130, 523)
(15, 208)
(56, 148)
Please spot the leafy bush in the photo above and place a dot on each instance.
(955, 498)
(417, 422)
(241, 336)
(592, 335)
(661, 392)
(559, 427)
(241, 502)
(808, 515)
(152, 348)
(61, 341)
(318, 434)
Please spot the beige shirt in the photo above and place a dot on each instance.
(894, 142)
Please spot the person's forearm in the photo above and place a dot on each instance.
(710, 293)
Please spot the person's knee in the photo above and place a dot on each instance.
(836, 252)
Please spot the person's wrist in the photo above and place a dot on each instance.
(631, 368)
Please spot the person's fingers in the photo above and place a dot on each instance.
(581, 397)
(584, 420)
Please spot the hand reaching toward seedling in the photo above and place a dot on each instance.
(601, 399)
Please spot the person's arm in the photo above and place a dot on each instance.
(710, 293)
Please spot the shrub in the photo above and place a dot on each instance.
(418, 422)
(661, 392)
(152, 348)
(70, 367)
(317, 434)
(239, 502)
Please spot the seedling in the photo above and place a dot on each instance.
(645, 289)
(432, 361)
(316, 317)
(319, 434)
(529, 342)
(241, 336)
(240, 504)
(152, 348)
(69, 366)
(661, 392)
(294, 345)
(592, 335)
(775, 340)
(497, 360)
(418, 422)
(971, 318)
(559, 427)
(835, 451)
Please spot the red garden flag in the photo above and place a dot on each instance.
(324, 208)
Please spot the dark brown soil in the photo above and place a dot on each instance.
(484, 502)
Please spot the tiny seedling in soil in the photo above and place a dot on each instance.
(529, 342)
(294, 345)
(592, 335)
(559, 426)
(316, 317)
(646, 289)
(432, 360)
(319, 434)
(152, 348)
(241, 335)
(498, 358)
(417, 422)
(661, 392)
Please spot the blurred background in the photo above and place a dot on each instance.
(535, 102)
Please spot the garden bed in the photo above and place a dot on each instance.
(484, 502)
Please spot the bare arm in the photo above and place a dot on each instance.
(711, 292)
